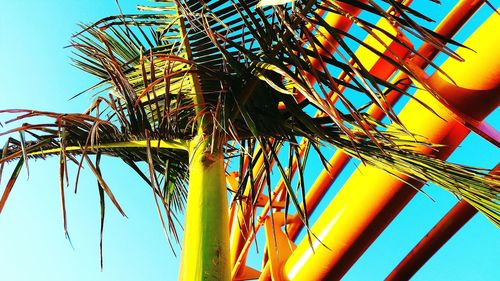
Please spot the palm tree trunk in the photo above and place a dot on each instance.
(205, 251)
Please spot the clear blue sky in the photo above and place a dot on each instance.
(36, 73)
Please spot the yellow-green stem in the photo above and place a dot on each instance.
(205, 251)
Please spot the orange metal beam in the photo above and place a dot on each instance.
(239, 214)
(448, 27)
(378, 67)
(237, 236)
(383, 70)
(279, 247)
(452, 222)
(362, 209)
(330, 44)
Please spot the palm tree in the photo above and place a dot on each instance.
(193, 88)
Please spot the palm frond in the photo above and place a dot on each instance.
(70, 135)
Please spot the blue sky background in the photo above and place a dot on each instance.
(36, 73)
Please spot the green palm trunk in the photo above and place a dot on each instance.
(205, 250)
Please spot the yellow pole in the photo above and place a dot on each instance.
(371, 198)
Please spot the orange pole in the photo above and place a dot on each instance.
(457, 17)
(340, 22)
(452, 222)
(240, 218)
(363, 208)
(239, 215)
(448, 27)
(378, 67)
